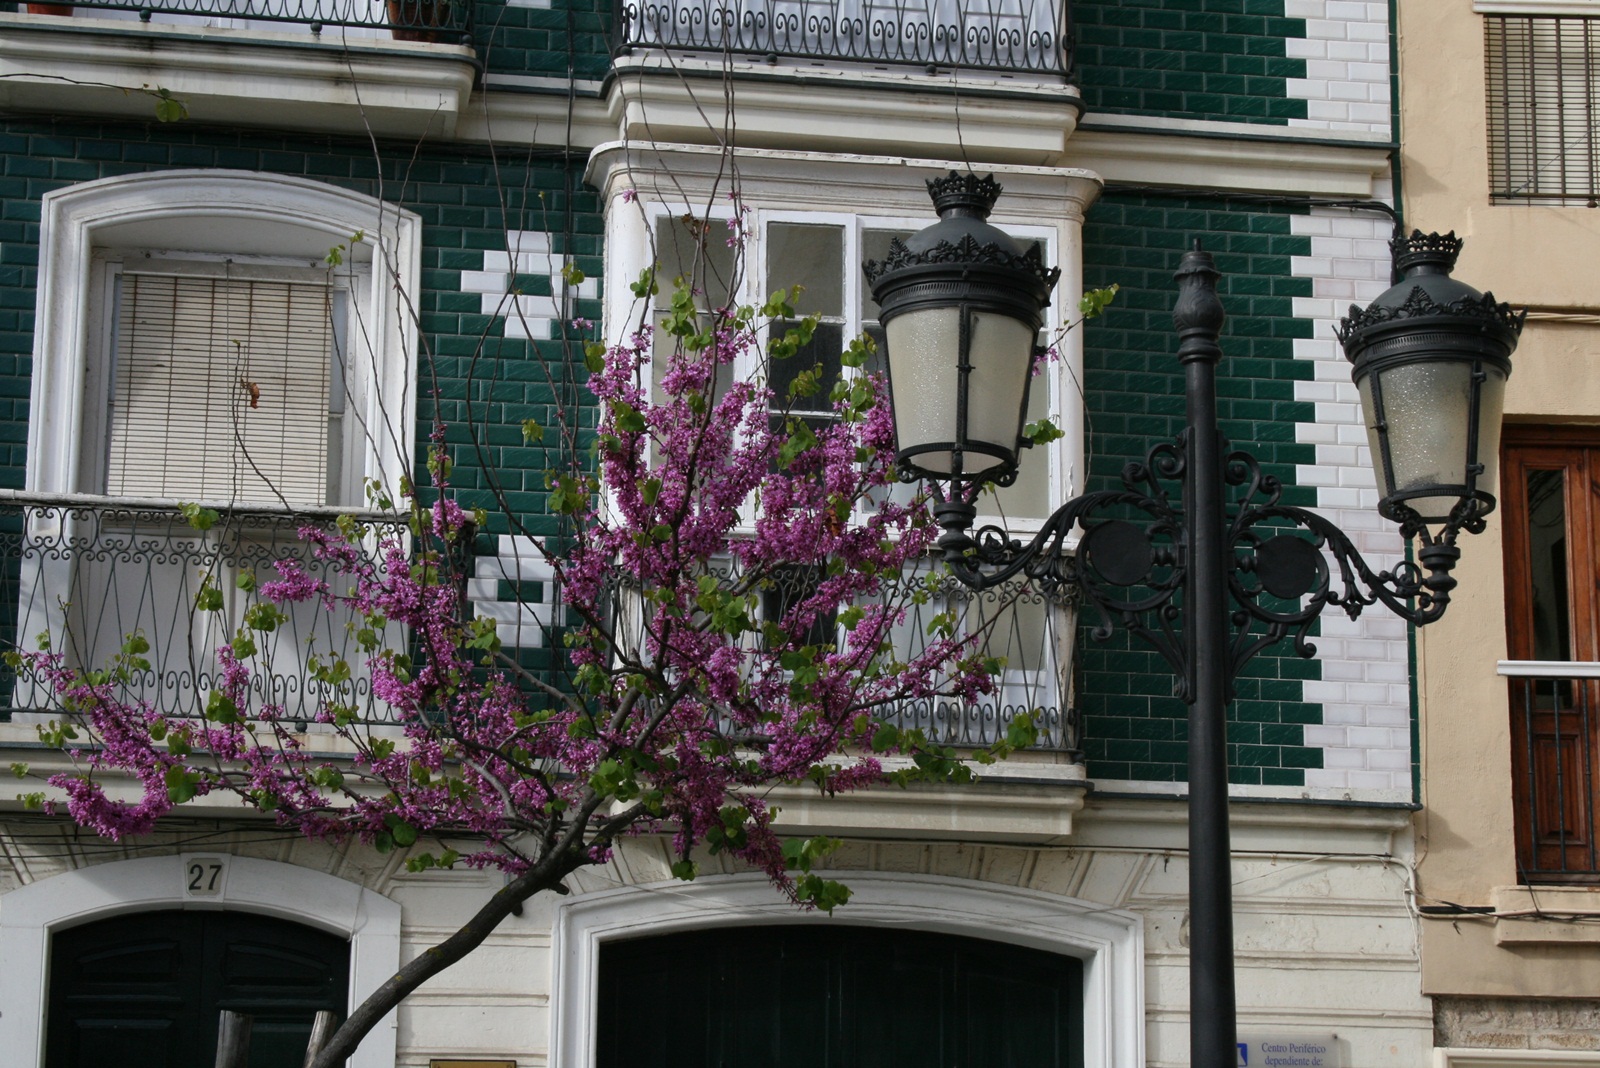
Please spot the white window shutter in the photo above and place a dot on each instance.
(221, 389)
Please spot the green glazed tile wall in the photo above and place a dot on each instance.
(481, 385)
(1191, 59)
(1133, 728)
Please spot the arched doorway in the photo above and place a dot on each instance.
(825, 996)
(143, 990)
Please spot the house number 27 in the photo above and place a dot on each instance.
(204, 876)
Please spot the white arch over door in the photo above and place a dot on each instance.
(28, 916)
(1110, 942)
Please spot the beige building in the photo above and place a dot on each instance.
(1498, 118)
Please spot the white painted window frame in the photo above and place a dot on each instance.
(30, 914)
(70, 333)
(1110, 942)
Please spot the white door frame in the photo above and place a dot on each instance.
(29, 914)
(1110, 942)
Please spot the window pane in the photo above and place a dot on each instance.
(875, 246)
(1547, 565)
(810, 256)
(697, 251)
(822, 351)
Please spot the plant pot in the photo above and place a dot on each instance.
(61, 10)
(415, 20)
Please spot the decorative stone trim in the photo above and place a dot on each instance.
(1110, 942)
(287, 891)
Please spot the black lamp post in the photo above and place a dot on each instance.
(1214, 574)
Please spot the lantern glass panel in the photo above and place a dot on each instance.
(1002, 362)
(924, 357)
(1425, 407)
(1491, 405)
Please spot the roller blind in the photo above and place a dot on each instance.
(221, 389)
(1544, 101)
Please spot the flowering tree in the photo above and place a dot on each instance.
(683, 702)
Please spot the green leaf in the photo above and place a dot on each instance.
(19, 769)
(168, 107)
(825, 894)
(685, 870)
(221, 709)
(402, 832)
(1042, 432)
(209, 599)
(1096, 301)
(532, 432)
(181, 784)
(264, 617)
(199, 518)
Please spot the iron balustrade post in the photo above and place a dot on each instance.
(1198, 316)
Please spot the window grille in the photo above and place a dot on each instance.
(1542, 88)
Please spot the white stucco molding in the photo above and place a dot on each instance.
(1444, 1057)
(283, 79)
(1263, 164)
(1535, 8)
(651, 98)
(216, 210)
(1110, 942)
(30, 914)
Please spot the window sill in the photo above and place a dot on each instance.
(237, 77)
(1546, 915)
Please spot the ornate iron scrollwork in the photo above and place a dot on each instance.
(1288, 564)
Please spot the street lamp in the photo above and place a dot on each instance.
(1209, 579)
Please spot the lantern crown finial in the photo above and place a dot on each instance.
(1426, 250)
(966, 194)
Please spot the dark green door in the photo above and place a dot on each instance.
(143, 990)
(818, 996)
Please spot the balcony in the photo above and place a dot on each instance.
(442, 21)
(990, 36)
(80, 574)
(1555, 718)
(394, 67)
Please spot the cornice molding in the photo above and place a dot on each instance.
(238, 77)
(1259, 165)
(874, 112)
(842, 181)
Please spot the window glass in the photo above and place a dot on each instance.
(697, 251)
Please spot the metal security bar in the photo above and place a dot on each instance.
(440, 21)
(1543, 85)
(79, 575)
(1029, 36)
(1553, 725)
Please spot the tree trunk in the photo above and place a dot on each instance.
(426, 965)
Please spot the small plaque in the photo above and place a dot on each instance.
(205, 875)
(451, 1063)
(1291, 1051)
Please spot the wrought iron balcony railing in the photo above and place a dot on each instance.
(1000, 36)
(443, 21)
(1555, 718)
(80, 574)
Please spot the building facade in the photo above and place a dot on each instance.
(436, 175)
(1506, 882)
